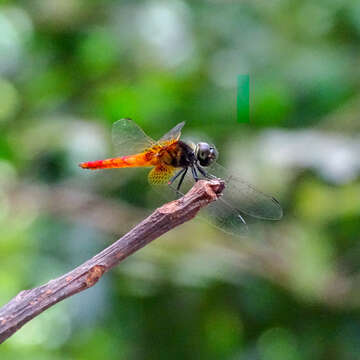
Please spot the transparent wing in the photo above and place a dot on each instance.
(224, 216)
(239, 202)
(244, 197)
(219, 213)
(128, 138)
(160, 174)
(174, 133)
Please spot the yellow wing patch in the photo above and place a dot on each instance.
(160, 174)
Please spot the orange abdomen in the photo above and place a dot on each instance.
(138, 160)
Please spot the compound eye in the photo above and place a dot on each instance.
(204, 154)
(213, 153)
(204, 151)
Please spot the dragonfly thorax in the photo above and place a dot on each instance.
(206, 154)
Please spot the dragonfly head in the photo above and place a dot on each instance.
(206, 154)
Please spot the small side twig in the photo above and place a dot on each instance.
(30, 303)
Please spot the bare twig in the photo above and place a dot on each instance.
(29, 303)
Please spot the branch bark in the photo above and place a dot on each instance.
(30, 303)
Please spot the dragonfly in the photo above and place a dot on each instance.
(178, 163)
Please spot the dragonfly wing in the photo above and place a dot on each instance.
(224, 216)
(174, 133)
(244, 197)
(160, 174)
(219, 213)
(128, 138)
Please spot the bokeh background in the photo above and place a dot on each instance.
(70, 68)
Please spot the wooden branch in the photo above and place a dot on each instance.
(30, 303)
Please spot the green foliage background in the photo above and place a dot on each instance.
(70, 68)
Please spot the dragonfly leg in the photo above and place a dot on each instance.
(204, 173)
(176, 176)
(182, 178)
(194, 173)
